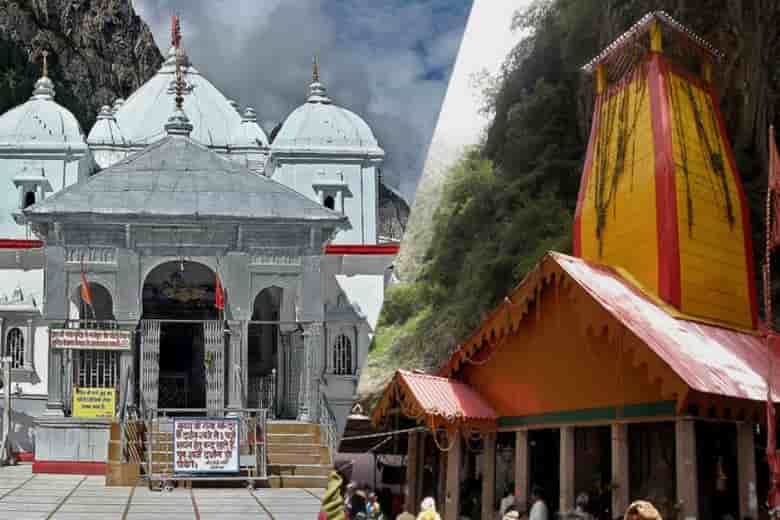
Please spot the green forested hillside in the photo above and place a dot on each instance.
(512, 198)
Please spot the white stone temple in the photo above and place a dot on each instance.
(150, 207)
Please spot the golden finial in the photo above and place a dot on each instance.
(45, 55)
(179, 79)
(315, 70)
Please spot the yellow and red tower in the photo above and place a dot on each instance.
(661, 198)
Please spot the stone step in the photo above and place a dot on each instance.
(293, 438)
(277, 481)
(293, 448)
(308, 470)
(294, 458)
(281, 427)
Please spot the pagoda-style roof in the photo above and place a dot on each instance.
(631, 37)
(178, 178)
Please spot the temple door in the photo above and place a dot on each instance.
(150, 362)
(214, 336)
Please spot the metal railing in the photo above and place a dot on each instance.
(159, 443)
(328, 426)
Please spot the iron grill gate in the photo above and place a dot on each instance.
(150, 362)
(214, 336)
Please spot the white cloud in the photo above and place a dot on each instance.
(373, 55)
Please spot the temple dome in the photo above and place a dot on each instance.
(106, 130)
(249, 133)
(41, 121)
(142, 117)
(320, 124)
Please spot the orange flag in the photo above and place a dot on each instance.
(86, 291)
(220, 298)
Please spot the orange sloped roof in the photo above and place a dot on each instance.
(436, 401)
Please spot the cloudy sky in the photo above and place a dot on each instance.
(387, 60)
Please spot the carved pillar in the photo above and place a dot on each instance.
(236, 361)
(29, 348)
(54, 404)
(620, 469)
(411, 500)
(567, 492)
(521, 467)
(746, 460)
(308, 409)
(126, 378)
(454, 460)
(687, 481)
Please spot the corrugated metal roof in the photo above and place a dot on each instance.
(710, 359)
(178, 177)
(438, 399)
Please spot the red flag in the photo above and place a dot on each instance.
(220, 299)
(774, 188)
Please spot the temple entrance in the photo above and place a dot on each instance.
(182, 340)
(263, 349)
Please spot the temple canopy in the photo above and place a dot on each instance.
(177, 177)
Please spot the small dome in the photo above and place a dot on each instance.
(319, 123)
(106, 130)
(41, 121)
(249, 133)
(144, 115)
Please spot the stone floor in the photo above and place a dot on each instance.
(24, 496)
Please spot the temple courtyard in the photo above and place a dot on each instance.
(25, 496)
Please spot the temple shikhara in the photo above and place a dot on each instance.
(175, 261)
(637, 367)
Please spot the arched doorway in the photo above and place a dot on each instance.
(263, 349)
(178, 314)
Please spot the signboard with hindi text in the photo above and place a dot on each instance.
(90, 339)
(94, 403)
(205, 445)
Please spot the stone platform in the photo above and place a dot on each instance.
(28, 496)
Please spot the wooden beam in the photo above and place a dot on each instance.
(746, 462)
(567, 492)
(620, 496)
(521, 468)
(452, 500)
(489, 476)
(412, 460)
(687, 476)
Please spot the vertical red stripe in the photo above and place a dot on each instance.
(594, 128)
(746, 230)
(665, 190)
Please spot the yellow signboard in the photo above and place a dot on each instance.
(93, 402)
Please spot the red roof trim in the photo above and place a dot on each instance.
(379, 249)
(13, 243)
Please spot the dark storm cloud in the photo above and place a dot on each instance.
(388, 61)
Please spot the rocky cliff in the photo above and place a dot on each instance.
(99, 50)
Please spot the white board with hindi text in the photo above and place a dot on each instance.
(205, 445)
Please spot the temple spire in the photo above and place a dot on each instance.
(45, 55)
(175, 32)
(178, 123)
(44, 87)
(317, 92)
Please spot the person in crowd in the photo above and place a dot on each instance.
(358, 505)
(333, 500)
(539, 509)
(373, 509)
(642, 510)
(405, 516)
(508, 500)
(511, 514)
(428, 510)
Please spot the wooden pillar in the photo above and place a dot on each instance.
(687, 477)
(489, 476)
(746, 461)
(418, 491)
(441, 484)
(412, 460)
(452, 499)
(521, 468)
(620, 496)
(567, 493)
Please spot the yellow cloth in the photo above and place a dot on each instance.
(428, 515)
(332, 501)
